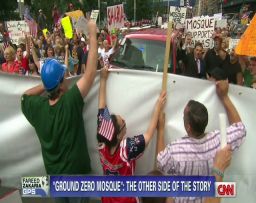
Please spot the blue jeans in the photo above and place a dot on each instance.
(72, 200)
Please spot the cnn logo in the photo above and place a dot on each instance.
(225, 189)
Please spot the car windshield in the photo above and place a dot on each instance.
(140, 54)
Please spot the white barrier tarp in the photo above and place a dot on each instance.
(131, 94)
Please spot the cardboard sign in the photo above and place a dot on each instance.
(45, 31)
(75, 14)
(233, 43)
(81, 26)
(66, 24)
(159, 21)
(218, 16)
(94, 15)
(223, 23)
(247, 43)
(201, 29)
(17, 29)
(177, 14)
(115, 16)
(182, 3)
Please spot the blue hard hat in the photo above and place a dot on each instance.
(52, 74)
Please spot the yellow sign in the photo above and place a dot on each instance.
(45, 31)
(75, 14)
(66, 24)
(247, 43)
(244, 21)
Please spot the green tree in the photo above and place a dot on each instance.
(7, 10)
(143, 9)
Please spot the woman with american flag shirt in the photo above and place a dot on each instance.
(118, 154)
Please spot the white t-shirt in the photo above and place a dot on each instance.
(105, 56)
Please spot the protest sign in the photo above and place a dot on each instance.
(201, 29)
(94, 15)
(75, 14)
(221, 23)
(75, 17)
(159, 21)
(66, 24)
(115, 16)
(233, 43)
(81, 25)
(247, 43)
(177, 14)
(182, 3)
(17, 29)
(45, 32)
(218, 16)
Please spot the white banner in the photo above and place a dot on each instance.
(132, 94)
(177, 14)
(17, 29)
(201, 29)
(115, 16)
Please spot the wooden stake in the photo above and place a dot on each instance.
(167, 55)
(165, 69)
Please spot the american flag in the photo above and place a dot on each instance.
(32, 27)
(245, 15)
(5, 45)
(106, 128)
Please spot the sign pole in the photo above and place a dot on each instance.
(167, 55)
(165, 69)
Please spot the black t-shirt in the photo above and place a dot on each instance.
(80, 55)
(212, 60)
(231, 70)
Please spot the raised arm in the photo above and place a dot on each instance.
(85, 82)
(102, 91)
(37, 90)
(34, 55)
(222, 91)
(154, 119)
(27, 40)
(66, 60)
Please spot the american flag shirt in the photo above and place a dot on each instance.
(122, 161)
(188, 156)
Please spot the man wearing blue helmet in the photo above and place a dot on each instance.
(58, 119)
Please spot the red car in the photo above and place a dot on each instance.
(144, 50)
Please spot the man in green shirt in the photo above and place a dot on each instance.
(58, 119)
(250, 74)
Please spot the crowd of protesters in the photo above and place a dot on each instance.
(28, 56)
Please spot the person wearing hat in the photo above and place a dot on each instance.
(58, 119)
(118, 153)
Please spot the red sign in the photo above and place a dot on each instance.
(225, 189)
